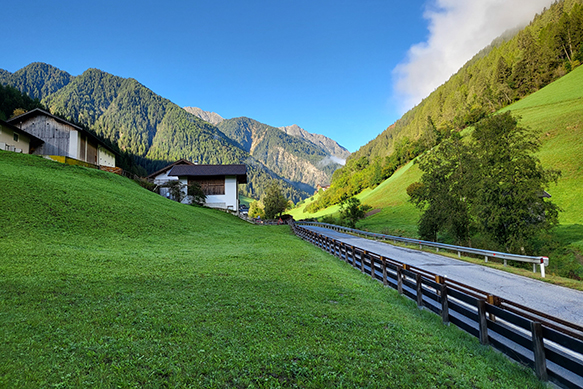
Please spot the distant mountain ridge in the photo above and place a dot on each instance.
(295, 158)
(337, 153)
(329, 145)
(211, 117)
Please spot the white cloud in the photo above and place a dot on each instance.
(331, 159)
(458, 29)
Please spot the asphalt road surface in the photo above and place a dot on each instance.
(554, 300)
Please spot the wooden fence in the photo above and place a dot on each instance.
(551, 346)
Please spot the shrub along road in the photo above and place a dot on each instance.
(557, 301)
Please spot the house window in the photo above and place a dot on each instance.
(213, 186)
(15, 137)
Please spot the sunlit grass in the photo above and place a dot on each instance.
(103, 284)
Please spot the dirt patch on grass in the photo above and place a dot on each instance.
(374, 211)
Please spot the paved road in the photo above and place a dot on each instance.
(554, 300)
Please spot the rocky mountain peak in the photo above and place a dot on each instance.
(209, 117)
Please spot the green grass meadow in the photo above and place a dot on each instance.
(104, 284)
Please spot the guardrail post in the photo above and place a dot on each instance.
(362, 256)
(419, 290)
(384, 267)
(372, 275)
(400, 280)
(485, 258)
(493, 300)
(540, 363)
(482, 322)
(444, 303)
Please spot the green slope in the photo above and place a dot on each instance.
(512, 67)
(556, 112)
(104, 284)
(392, 213)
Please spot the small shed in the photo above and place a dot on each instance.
(14, 139)
(220, 183)
(63, 139)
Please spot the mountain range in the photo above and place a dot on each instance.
(157, 132)
(305, 159)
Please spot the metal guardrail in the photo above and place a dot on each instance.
(541, 261)
(552, 347)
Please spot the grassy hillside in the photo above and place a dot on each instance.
(104, 284)
(392, 213)
(512, 67)
(557, 113)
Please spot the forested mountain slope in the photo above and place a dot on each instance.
(288, 156)
(150, 127)
(511, 68)
(289, 151)
(37, 80)
(330, 146)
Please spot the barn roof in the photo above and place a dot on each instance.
(210, 170)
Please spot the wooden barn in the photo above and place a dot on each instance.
(63, 139)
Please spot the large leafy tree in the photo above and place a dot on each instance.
(352, 211)
(509, 202)
(274, 201)
(444, 190)
(493, 184)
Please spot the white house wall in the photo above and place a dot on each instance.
(74, 144)
(7, 141)
(230, 200)
(184, 188)
(163, 178)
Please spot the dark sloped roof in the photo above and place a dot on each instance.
(210, 170)
(179, 162)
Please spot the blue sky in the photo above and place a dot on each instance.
(345, 69)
